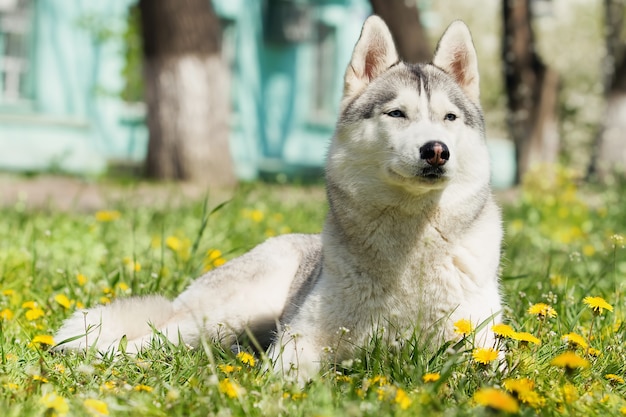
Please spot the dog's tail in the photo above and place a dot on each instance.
(104, 327)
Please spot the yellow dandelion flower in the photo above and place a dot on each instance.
(484, 355)
(142, 387)
(246, 358)
(532, 398)
(343, 378)
(463, 327)
(59, 368)
(213, 254)
(40, 378)
(6, 314)
(105, 216)
(8, 293)
(81, 279)
(180, 246)
(213, 259)
(131, 264)
(570, 393)
(96, 407)
(569, 360)
(502, 330)
(496, 399)
(518, 385)
(108, 386)
(525, 337)
(11, 386)
(34, 314)
(257, 216)
(402, 399)
(615, 379)
(378, 379)
(29, 304)
(522, 389)
(298, 396)
(593, 352)
(597, 304)
(173, 243)
(230, 388)
(382, 393)
(574, 340)
(542, 311)
(122, 286)
(228, 369)
(589, 250)
(43, 339)
(56, 403)
(431, 377)
(295, 396)
(63, 301)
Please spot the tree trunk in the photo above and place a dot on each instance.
(532, 91)
(610, 148)
(403, 19)
(187, 92)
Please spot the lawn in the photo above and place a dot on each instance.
(563, 271)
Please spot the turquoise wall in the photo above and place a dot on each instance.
(74, 119)
(71, 118)
(274, 85)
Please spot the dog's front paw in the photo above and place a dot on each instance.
(295, 358)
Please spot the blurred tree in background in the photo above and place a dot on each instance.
(610, 146)
(403, 19)
(531, 88)
(186, 85)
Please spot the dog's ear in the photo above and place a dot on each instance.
(373, 54)
(456, 55)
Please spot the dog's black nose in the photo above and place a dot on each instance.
(435, 153)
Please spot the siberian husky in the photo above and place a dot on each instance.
(411, 242)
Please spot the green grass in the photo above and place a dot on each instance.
(563, 244)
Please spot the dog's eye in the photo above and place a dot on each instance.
(450, 117)
(396, 113)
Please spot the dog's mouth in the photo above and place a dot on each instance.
(432, 173)
(425, 175)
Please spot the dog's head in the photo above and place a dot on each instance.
(416, 127)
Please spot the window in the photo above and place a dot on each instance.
(14, 50)
(325, 55)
